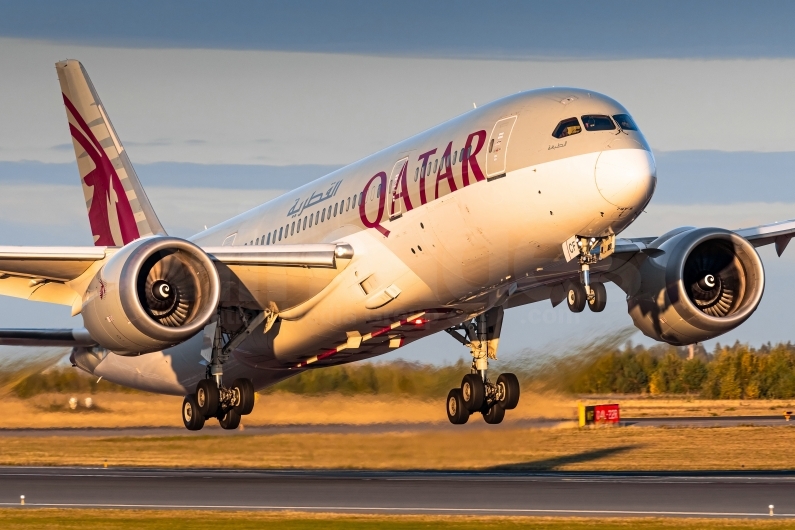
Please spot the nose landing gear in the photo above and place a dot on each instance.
(588, 251)
(477, 393)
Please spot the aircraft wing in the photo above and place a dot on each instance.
(265, 276)
(778, 233)
(548, 284)
(276, 277)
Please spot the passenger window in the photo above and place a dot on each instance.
(567, 127)
(304, 222)
(416, 173)
(455, 156)
(625, 122)
(335, 210)
(348, 204)
(354, 202)
(292, 228)
(298, 228)
(280, 232)
(323, 216)
(269, 240)
(598, 122)
(257, 243)
(435, 165)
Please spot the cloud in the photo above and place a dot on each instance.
(363, 103)
(63, 147)
(417, 28)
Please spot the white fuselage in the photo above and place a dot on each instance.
(446, 233)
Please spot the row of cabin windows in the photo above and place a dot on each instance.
(441, 162)
(316, 218)
(594, 122)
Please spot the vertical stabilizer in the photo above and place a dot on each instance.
(118, 208)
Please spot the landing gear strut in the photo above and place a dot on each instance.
(212, 398)
(477, 393)
(590, 251)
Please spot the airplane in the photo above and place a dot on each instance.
(515, 202)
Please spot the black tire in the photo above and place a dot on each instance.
(599, 301)
(576, 297)
(473, 391)
(457, 412)
(207, 397)
(229, 419)
(494, 414)
(245, 389)
(508, 386)
(191, 415)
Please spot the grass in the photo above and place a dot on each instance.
(564, 448)
(113, 410)
(80, 519)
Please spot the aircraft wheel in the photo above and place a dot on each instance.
(599, 300)
(494, 414)
(229, 419)
(473, 391)
(191, 416)
(576, 297)
(508, 387)
(207, 397)
(457, 412)
(245, 389)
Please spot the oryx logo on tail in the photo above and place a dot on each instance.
(110, 214)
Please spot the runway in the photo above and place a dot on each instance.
(381, 428)
(719, 494)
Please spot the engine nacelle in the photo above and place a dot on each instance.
(153, 293)
(696, 284)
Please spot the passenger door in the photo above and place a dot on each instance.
(395, 202)
(498, 147)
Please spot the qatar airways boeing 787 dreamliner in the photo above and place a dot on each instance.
(518, 201)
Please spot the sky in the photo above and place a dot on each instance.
(223, 106)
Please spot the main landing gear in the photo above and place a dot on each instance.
(477, 393)
(212, 398)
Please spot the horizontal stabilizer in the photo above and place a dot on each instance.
(46, 337)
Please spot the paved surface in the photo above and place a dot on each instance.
(709, 421)
(475, 423)
(614, 494)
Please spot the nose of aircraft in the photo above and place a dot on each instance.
(625, 177)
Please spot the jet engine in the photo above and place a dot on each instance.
(153, 293)
(696, 284)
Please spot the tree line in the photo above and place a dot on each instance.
(738, 371)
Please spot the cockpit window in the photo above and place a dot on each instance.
(625, 122)
(567, 127)
(597, 122)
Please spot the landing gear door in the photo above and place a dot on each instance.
(397, 186)
(498, 147)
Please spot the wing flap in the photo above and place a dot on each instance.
(279, 277)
